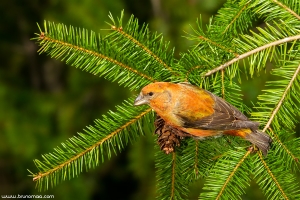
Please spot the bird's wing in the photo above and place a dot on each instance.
(225, 117)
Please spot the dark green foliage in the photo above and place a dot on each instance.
(274, 179)
(143, 48)
(235, 18)
(170, 179)
(229, 176)
(134, 57)
(105, 56)
(98, 142)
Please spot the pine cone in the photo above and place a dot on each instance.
(168, 136)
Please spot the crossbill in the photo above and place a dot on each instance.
(200, 113)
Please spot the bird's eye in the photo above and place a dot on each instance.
(150, 93)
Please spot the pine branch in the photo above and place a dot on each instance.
(120, 30)
(257, 47)
(90, 52)
(210, 51)
(291, 156)
(235, 18)
(193, 60)
(209, 41)
(198, 159)
(282, 99)
(229, 177)
(274, 180)
(283, 107)
(272, 176)
(170, 182)
(47, 41)
(272, 44)
(274, 168)
(274, 172)
(173, 176)
(287, 8)
(257, 56)
(223, 85)
(234, 171)
(107, 136)
(151, 47)
(275, 9)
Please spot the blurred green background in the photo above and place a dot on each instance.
(44, 102)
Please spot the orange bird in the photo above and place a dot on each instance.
(200, 113)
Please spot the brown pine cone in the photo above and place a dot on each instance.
(168, 137)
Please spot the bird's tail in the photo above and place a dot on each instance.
(260, 139)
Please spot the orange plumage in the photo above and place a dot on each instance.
(200, 113)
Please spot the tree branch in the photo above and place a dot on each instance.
(223, 86)
(120, 30)
(286, 8)
(44, 174)
(282, 145)
(173, 175)
(223, 66)
(218, 45)
(235, 18)
(99, 55)
(232, 173)
(282, 99)
(272, 176)
(196, 158)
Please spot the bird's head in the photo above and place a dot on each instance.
(152, 93)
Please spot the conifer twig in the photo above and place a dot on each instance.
(44, 174)
(189, 72)
(196, 157)
(218, 45)
(272, 175)
(282, 145)
(99, 55)
(120, 30)
(282, 99)
(232, 173)
(249, 53)
(235, 18)
(173, 175)
(286, 8)
(223, 86)
(268, 126)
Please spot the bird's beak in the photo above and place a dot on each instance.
(140, 100)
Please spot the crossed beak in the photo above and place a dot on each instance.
(140, 100)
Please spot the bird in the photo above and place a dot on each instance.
(200, 113)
